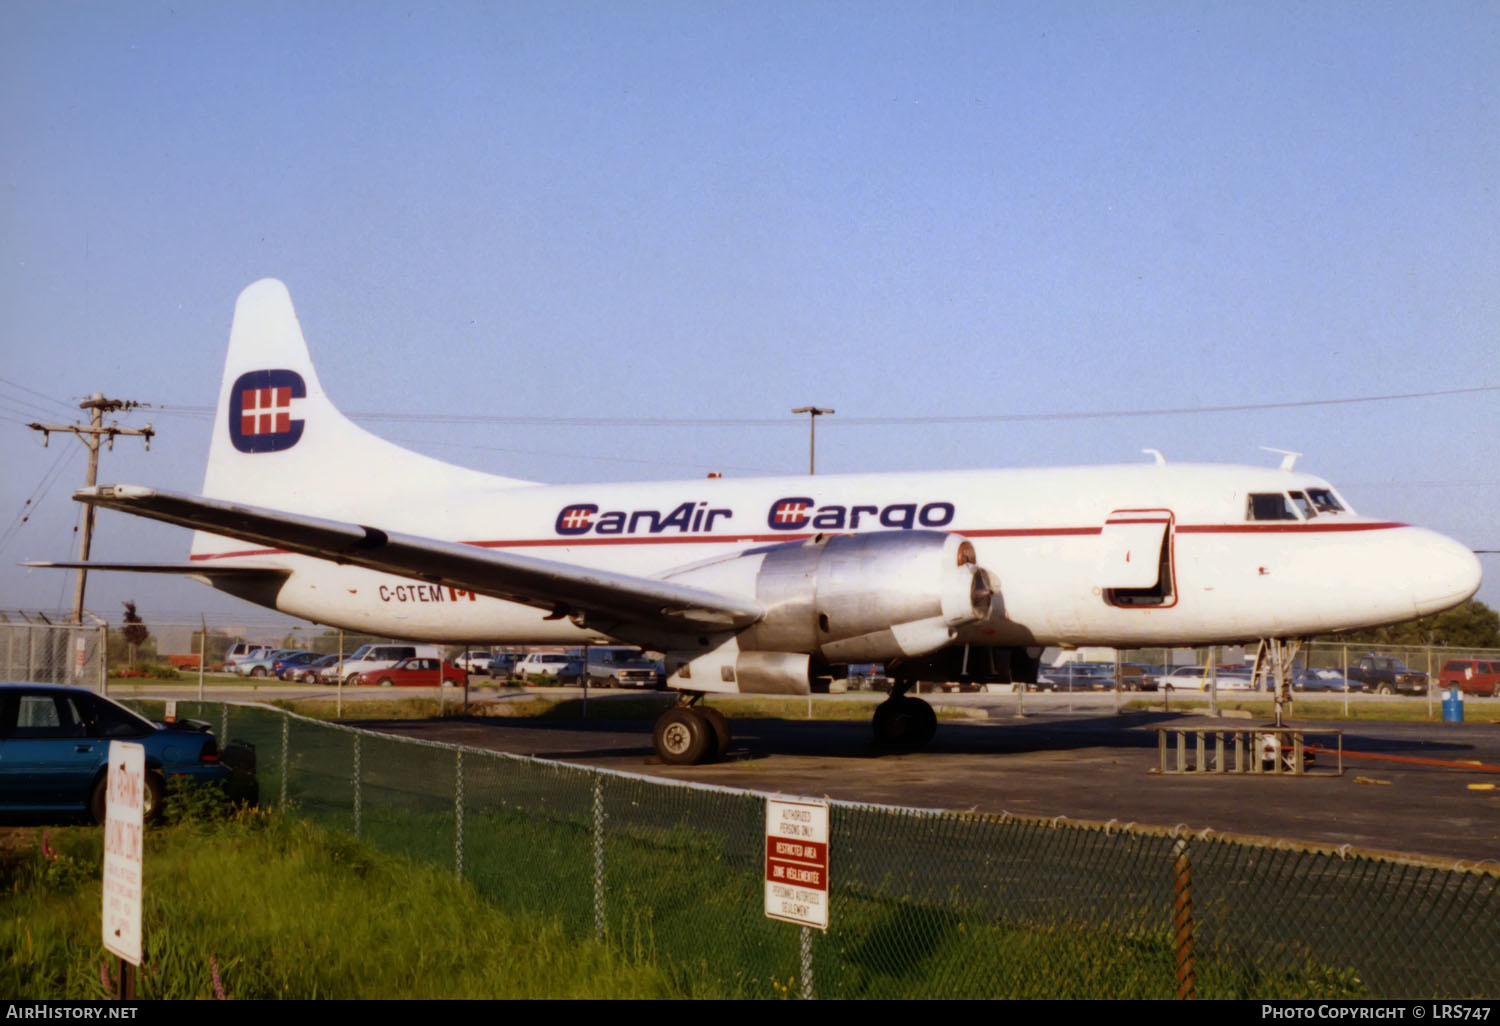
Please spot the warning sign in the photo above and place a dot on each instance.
(124, 823)
(797, 862)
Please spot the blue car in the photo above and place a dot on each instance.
(54, 747)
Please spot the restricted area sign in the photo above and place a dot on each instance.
(124, 824)
(797, 862)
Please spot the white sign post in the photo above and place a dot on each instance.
(797, 862)
(124, 826)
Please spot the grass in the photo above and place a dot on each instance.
(266, 906)
(1398, 709)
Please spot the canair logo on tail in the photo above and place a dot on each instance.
(260, 410)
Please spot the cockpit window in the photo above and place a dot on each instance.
(1304, 505)
(1269, 506)
(1325, 500)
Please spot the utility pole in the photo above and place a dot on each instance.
(90, 436)
(813, 413)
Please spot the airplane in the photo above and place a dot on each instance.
(769, 585)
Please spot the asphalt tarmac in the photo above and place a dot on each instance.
(1427, 789)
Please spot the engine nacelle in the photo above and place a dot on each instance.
(855, 597)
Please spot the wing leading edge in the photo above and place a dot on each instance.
(596, 596)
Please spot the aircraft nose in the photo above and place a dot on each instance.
(1449, 573)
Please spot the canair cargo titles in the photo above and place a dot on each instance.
(794, 513)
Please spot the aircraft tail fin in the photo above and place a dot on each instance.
(279, 441)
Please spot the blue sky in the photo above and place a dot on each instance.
(690, 211)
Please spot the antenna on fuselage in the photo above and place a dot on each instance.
(1288, 458)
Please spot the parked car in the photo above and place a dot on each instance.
(1471, 676)
(563, 669)
(285, 666)
(308, 673)
(1324, 680)
(1081, 676)
(503, 665)
(1388, 676)
(622, 668)
(241, 652)
(262, 665)
(380, 657)
(476, 661)
(1195, 678)
(54, 750)
(418, 671)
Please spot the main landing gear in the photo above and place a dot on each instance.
(688, 733)
(903, 723)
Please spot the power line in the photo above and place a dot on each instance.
(32, 391)
(38, 494)
(779, 422)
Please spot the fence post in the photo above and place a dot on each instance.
(358, 790)
(458, 805)
(1182, 920)
(286, 743)
(599, 923)
(808, 992)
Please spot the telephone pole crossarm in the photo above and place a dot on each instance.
(90, 436)
(813, 413)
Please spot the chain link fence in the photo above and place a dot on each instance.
(922, 903)
(52, 653)
(1323, 655)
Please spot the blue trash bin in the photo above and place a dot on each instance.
(1453, 706)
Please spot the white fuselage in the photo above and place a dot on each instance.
(1066, 550)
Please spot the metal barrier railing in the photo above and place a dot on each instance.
(1254, 750)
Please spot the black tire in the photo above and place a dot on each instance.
(156, 793)
(904, 724)
(259, 671)
(683, 737)
(155, 797)
(351, 681)
(1385, 689)
(99, 797)
(386, 682)
(722, 736)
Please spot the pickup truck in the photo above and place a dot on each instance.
(1388, 676)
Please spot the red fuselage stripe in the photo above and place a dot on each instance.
(790, 536)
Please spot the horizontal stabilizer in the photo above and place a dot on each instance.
(194, 569)
(563, 588)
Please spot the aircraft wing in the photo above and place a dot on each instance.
(595, 595)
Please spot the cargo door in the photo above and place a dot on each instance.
(1136, 558)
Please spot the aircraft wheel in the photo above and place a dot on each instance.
(720, 724)
(683, 737)
(904, 723)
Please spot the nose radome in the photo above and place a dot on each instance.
(1448, 575)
